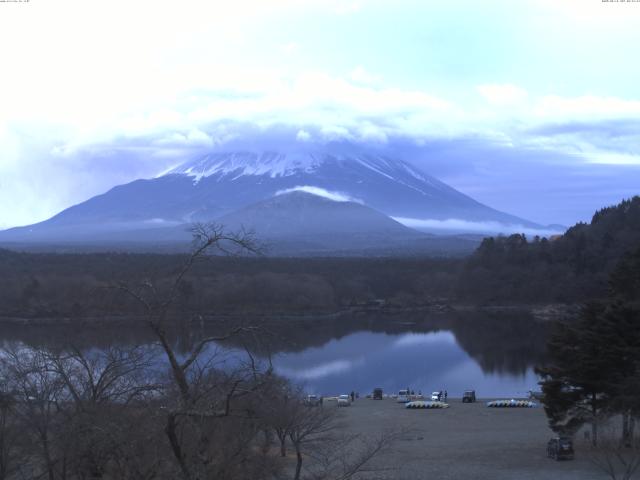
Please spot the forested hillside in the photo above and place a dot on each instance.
(569, 268)
(504, 270)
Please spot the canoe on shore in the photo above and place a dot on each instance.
(423, 404)
(511, 404)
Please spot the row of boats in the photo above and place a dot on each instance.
(493, 404)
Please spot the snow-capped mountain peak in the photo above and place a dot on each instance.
(277, 164)
(272, 164)
(213, 187)
(393, 186)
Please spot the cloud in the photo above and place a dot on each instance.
(454, 225)
(505, 94)
(347, 7)
(362, 77)
(321, 192)
(291, 47)
(193, 138)
(606, 141)
(586, 106)
(303, 136)
(143, 102)
(330, 108)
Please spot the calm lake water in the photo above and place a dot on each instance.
(494, 354)
(419, 361)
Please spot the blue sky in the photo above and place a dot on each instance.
(531, 107)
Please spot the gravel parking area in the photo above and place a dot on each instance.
(465, 441)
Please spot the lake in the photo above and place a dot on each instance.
(494, 354)
(420, 361)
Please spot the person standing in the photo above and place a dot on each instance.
(353, 396)
(445, 395)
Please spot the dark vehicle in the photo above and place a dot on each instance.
(312, 401)
(377, 394)
(560, 448)
(469, 396)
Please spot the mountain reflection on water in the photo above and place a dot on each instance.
(420, 361)
(493, 353)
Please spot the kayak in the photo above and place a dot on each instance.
(423, 404)
(511, 404)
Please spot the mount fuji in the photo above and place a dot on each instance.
(222, 186)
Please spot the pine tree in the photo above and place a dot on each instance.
(594, 367)
(575, 381)
(625, 278)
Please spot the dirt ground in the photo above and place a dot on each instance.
(465, 441)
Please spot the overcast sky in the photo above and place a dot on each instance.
(530, 106)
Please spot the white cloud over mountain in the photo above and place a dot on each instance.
(179, 79)
(321, 192)
(454, 225)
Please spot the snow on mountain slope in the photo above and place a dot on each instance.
(390, 185)
(273, 165)
(238, 164)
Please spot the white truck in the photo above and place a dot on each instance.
(404, 396)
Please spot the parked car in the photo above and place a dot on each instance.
(469, 396)
(312, 400)
(436, 396)
(404, 396)
(560, 448)
(344, 401)
(377, 394)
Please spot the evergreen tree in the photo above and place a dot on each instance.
(575, 381)
(625, 278)
(594, 367)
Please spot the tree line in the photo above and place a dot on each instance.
(503, 270)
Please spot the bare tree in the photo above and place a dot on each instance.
(278, 406)
(323, 450)
(9, 436)
(309, 427)
(100, 386)
(157, 304)
(112, 375)
(617, 456)
(202, 393)
(346, 456)
(73, 405)
(39, 397)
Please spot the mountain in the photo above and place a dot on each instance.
(215, 185)
(301, 221)
(300, 213)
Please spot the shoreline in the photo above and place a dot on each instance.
(542, 312)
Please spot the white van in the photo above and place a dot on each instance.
(403, 396)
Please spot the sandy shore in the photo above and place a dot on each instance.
(466, 441)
